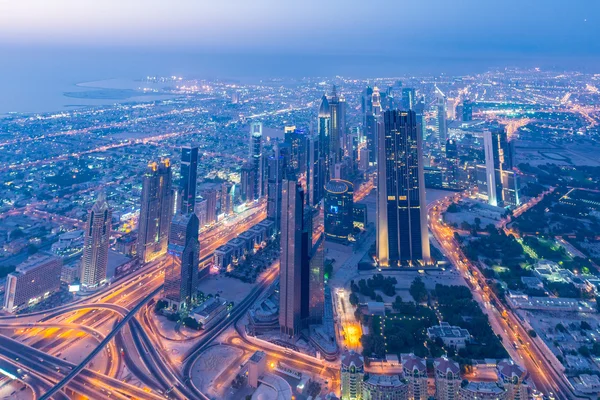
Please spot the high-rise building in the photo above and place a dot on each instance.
(415, 372)
(447, 379)
(274, 190)
(420, 113)
(316, 283)
(338, 211)
(511, 189)
(210, 195)
(512, 377)
(440, 116)
(494, 163)
(156, 211)
(315, 172)
(369, 125)
(467, 111)
(256, 157)
(189, 171)
(324, 134)
(291, 259)
(402, 236)
(247, 182)
(482, 391)
(297, 140)
(452, 164)
(337, 109)
(409, 99)
(352, 375)
(96, 241)
(181, 273)
(32, 281)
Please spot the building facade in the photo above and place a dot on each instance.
(447, 379)
(352, 376)
(415, 373)
(256, 157)
(96, 241)
(187, 185)
(402, 235)
(156, 211)
(384, 387)
(338, 211)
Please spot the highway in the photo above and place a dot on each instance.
(502, 319)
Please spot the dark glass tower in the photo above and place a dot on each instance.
(256, 158)
(408, 99)
(181, 273)
(402, 237)
(189, 170)
(274, 186)
(338, 211)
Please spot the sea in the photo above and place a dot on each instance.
(38, 80)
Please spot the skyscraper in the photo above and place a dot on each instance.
(247, 182)
(324, 135)
(316, 283)
(402, 237)
(256, 157)
(493, 140)
(156, 211)
(291, 259)
(189, 170)
(274, 189)
(315, 171)
(369, 124)
(338, 211)
(452, 161)
(420, 111)
(409, 99)
(337, 109)
(467, 111)
(296, 139)
(181, 273)
(95, 244)
(440, 112)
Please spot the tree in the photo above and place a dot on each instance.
(532, 333)
(584, 351)
(191, 323)
(160, 305)
(585, 326)
(418, 291)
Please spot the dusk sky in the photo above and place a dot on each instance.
(544, 27)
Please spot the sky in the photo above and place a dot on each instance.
(379, 27)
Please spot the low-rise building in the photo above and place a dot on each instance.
(482, 391)
(223, 257)
(256, 368)
(451, 335)
(384, 387)
(210, 312)
(32, 281)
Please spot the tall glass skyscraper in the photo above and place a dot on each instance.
(290, 272)
(181, 273)
(256, 157)
(189, 171)
(402, 237)
(96, 240)
(156, 211)
(339, 209)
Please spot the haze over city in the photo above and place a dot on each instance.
(380, 200)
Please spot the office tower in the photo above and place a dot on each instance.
(296, 139)
(226, 198)
(324, 135)
(494, 163)
(156, 211)
(210, 195)
(291, 258)
(316, 284)
(447, 379)
(247, 182)
(369, 124)
(315, 172)
(409, 99)
(96, 241)
(32, 281)
(512, 377)
(274, 190)
(256, 157)
(440, 116)
(389, 99)
(352, 373)
(338, 212)
(305, 251)
(189, 170)
(181, 273)
(402, 236)
(415, 372)
(511, 189)
(256, 368)
(467, 111)
(337, 110)
(451, 178)
(420, 113)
